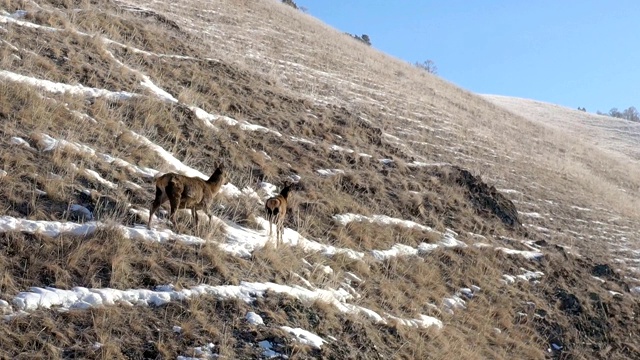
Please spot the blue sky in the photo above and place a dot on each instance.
(568, 52)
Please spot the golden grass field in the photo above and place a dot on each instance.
(99, 97)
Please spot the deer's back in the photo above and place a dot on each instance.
(191, 190)
(275, 202)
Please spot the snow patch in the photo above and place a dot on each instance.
(81, 297)
(94, 175)
(452, 303)
(448, 238)
(305, 337)
(254, 319)
(344, 219)
(82, 210)
(146, 82)
(212, 119)
(530, 275)
(531, 255)
(423, 164)
(340, 149)
(330, 172)
(243, 241)
(580, 208)
(61, 88)
(85, 298)
(267, 350)
(19, 141)
(423, 321)
(201, 351)
(268, 188)
(47, 143)
(352, 277)
(534, 215)
(4, 19)
(18, 14)
(525, 276)
(396, 250)
(509, 191)
(297, 139)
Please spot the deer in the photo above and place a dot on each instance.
(184, 192)
(276, 209)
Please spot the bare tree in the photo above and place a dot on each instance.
(631, 114)
(428, 66)
(615, 113)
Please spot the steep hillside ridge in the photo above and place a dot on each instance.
(428, 222)
(291, 49)
(616, 135)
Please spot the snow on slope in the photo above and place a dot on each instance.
(238, 240)
(84, 298)
(60, 88)
(238, 237)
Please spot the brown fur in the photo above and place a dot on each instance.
(184, 192)
(276, 209)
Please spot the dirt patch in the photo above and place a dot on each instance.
(486, 199)
(585, 311)
(569, 303)
(602, 270)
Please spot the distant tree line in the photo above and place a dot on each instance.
(630, 114)
(363, 38)
(294, 5)
(290, 3)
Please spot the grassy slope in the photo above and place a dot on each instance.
(268, 64)
(616, 135)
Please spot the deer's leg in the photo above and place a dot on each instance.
(156, 204)
(194, 214)
(174, 193)
(275, 217)
(175, 202)
(280, 230)
(271, 227)
(269, 220)
(210, 215)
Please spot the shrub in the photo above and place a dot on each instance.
(290, 3)
(364, 38)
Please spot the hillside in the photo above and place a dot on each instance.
(426, 221)
(613, 134)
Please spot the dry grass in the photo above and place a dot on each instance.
(266, 64)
